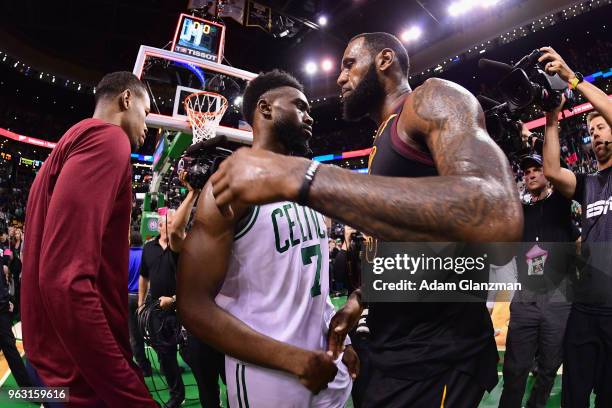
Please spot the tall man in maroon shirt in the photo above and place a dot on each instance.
(75, 309)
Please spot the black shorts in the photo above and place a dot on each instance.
(451, 389)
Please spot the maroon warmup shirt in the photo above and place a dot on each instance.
(75, 269)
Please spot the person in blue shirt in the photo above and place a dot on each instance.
(136, 340)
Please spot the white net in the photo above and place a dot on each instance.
(204, 110)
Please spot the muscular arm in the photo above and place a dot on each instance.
(202, 268)
(562, 179)
(473, 199)
(143, 287)
(598, 98)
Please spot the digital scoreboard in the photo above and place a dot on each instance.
(200, 38)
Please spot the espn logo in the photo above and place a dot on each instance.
(599, 207)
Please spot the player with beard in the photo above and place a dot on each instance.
(255, 285)
(435, 175)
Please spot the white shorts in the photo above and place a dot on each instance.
(251, 386)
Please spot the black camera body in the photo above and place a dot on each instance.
(528, 83)
(357, 240)
(357, 237)
(522, 85)
(202, 159)
(336, 231)
(199, 169)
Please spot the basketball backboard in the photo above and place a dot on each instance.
(170, 77)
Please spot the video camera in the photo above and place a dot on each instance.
(522, 85)
(356, 242)
(202, 159)
(336, 231)
(357, 236)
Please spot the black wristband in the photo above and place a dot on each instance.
(579, 76)
(307, 182)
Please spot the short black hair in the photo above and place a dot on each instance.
(135, 239)
(263, 83)
(376, 42)
(116, 82)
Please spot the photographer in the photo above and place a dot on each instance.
(7, 338)
(136, 339)
(588, 343)
(16, 243)
(347, 266)
(531, 139)
(158, 273)
(347, 269)
(158, 276)
(206, 363)
(539, 311)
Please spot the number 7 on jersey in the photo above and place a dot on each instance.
(307, 254)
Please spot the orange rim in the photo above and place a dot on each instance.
(193, 112)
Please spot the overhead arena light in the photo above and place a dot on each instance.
(322, 21)
(461, 7)
(310, 68)
(327, 65)
(411, 34)
(489, 3)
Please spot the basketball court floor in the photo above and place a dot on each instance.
(158, 387)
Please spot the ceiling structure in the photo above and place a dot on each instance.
(81, 43)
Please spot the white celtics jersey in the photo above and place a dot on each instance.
(278, 276)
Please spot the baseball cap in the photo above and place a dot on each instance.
(531, 160)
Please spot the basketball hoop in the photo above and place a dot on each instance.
(204, 110)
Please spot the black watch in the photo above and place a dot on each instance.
(579, 76)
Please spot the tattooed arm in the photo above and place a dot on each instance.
(474, 198)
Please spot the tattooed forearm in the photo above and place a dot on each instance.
(473, 199)
(449, 208)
